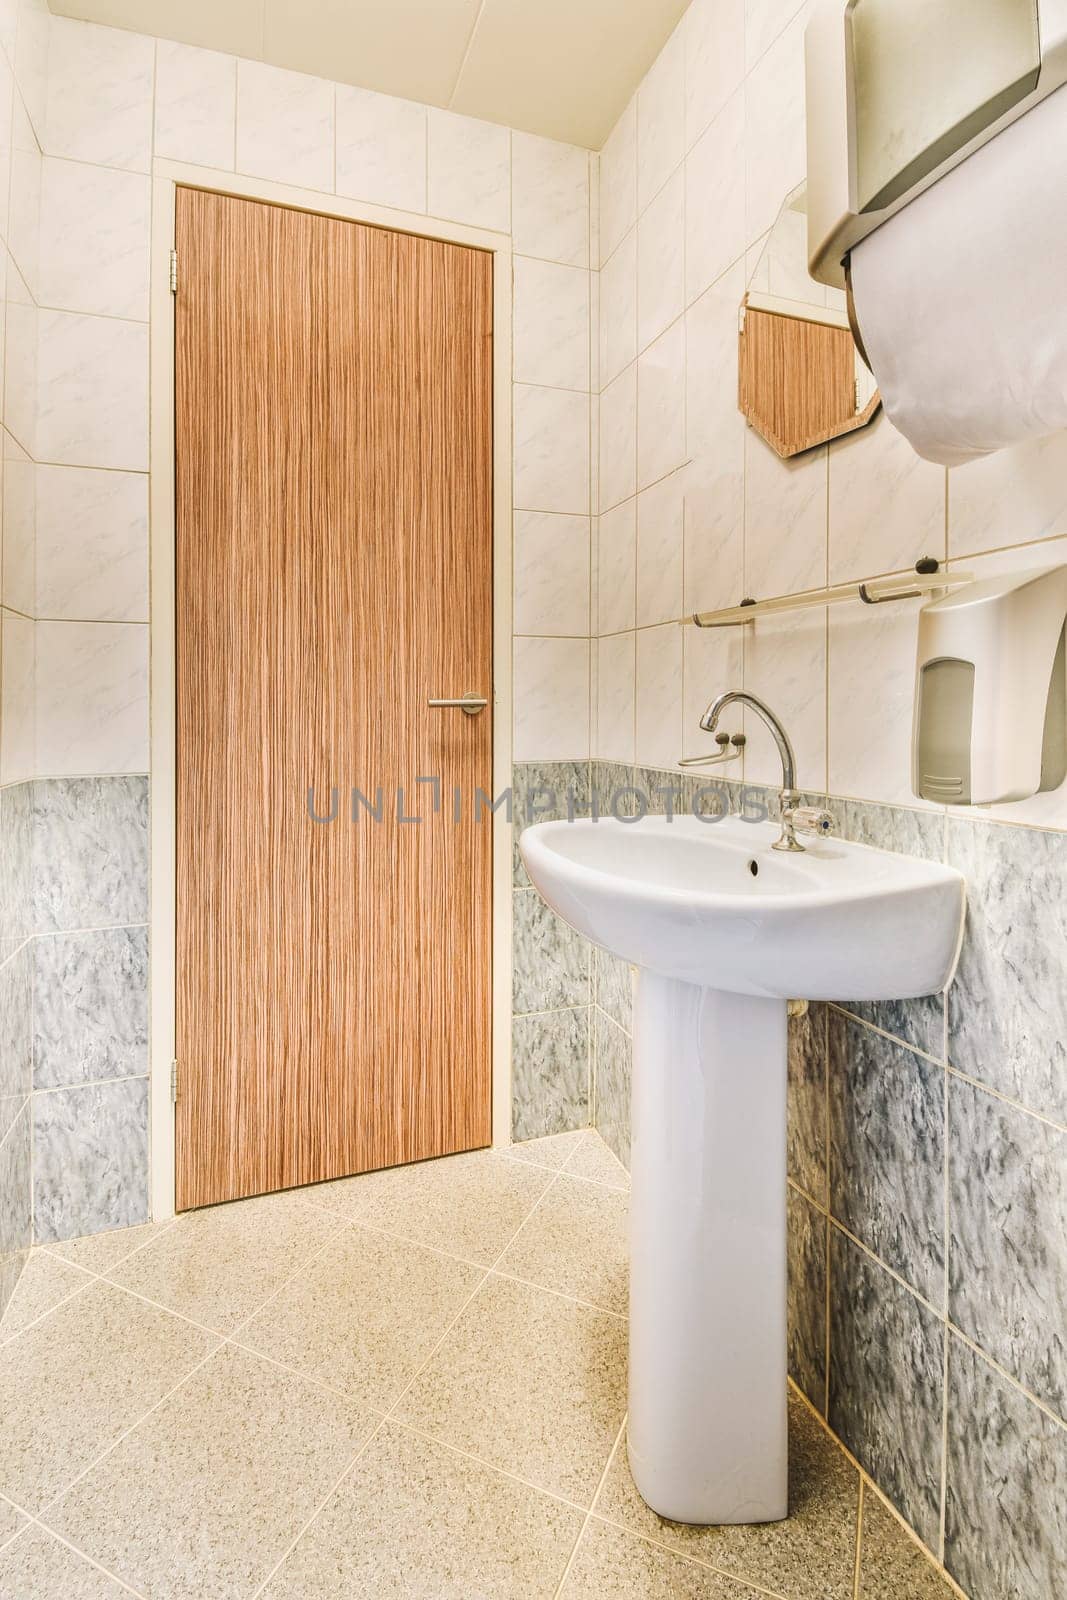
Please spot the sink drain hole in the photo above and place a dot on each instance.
(753, 867)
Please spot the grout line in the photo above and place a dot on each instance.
(858, 1569)
(58, 1538)
(490, 1466)
(596, 1495)
(943, 1474)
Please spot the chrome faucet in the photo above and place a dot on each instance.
(808, 819)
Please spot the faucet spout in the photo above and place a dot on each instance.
(787, 839)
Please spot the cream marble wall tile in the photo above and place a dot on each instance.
(17, 746)
(785, 520)
(712, 662)
(99, 105)
(92, 697)
(785, 665)
(551, 449)
(95, 231)
(28, 52)
(659, 696)
(618, 182)
(196, 105)
(887, 505)
(551, 692)
(381, 149)
(661, 406)
(715, 199)
(7, 97)
(19, 538)
(470, 170)
(616, 568)
(285, 126)
(616, 691)
(618, 439)
(764, 21)
(551, 567)
(550, 200)
(711, 366)
(774, 129)
(871, 672)
(714, 535)
(92, 544)
(24, 199)
(661, 119)
(20, 359)
(661, 261)
(660, 537)
(618, 310)
(92, 387)
(1010, 497)
(551, 327)
(714, 60)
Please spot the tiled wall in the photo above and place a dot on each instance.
(112, 103)
(928, 1143)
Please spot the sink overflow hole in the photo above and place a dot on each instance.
(753, 867)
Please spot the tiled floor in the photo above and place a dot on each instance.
(410, 1384)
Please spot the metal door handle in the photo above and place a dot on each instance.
(469, 704)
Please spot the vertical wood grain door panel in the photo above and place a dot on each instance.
(334, 571)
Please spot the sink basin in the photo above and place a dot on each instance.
(714, 904)
(724, 930)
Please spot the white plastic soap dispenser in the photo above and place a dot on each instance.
(991, 690)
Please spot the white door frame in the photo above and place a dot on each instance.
(168, 176)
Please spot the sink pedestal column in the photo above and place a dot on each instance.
(707, 1420)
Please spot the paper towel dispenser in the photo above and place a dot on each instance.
(899, 92)
(991, 690)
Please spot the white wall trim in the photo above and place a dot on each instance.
(168, 176)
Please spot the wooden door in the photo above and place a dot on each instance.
(334, 572)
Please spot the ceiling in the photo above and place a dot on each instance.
(562, 68)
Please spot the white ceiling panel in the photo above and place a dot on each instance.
(412, 48)
(561, 68)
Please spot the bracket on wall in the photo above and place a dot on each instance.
(929, 579)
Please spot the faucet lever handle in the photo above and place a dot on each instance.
(811, 819)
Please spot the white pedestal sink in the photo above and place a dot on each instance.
(725, 930)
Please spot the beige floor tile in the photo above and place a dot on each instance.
(592, 1159)
(219, 1265)
(10, 1522)
(364, 1315)
(891, 1564)
(204, 1498)
(529, 1382)
(38, 1567)
(45, 1280)
(99, 1252)
(553, 1151)
(575, 1242)
(73, 1383)
(415, 1521)
(810, 1556)
(469, 1205)
(612, 1565)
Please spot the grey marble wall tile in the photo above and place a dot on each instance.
(545, 791)
(807, 1297)
(886, 1383)
(612, 1068)
(920, 1023)
(613, 785)
(550, 961)
(90, 1159)
(1006, 1487)
(90, 852)
(613, 987)
(806, 1129)
(16, 851)
(887, 1151)
(91, 1011)
(15, 1201)
(1008, 1238)
(550, 1073)
(1007, 1010)
(16, 1032)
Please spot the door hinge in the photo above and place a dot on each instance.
(174, 272)
(174, 1083)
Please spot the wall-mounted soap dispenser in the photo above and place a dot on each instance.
(991, 690)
